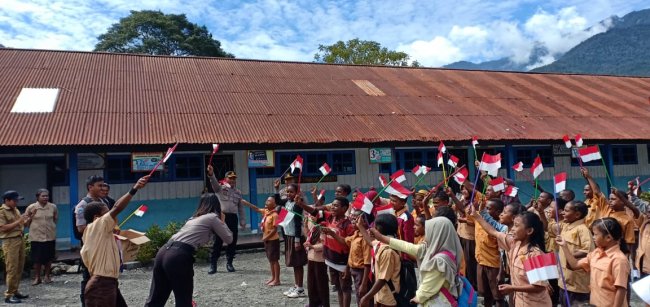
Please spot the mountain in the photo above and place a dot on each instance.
(623, 50)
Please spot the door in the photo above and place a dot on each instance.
(24, 178)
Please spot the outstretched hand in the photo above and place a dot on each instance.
(210, 170)
(141, 182)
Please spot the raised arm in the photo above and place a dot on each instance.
(253, 207)
(595, 189)
(121, 203)
(216, 187)
(485, 225)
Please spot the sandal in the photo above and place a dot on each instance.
(36, 282)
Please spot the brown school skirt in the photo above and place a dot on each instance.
(272, 249)
(292, 257)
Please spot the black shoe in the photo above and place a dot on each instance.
(20, 296)
(12, 300)
(213, 269)
(230, 268)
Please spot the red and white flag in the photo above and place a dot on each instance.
(519, 166)
(491, 164)
(421, 170)
(395, 188)
(169, 153)
(297, 163)
(141, 210)
(511, 191)
(215, 148)
(461, 176)
(387, 209)
(398, 176)
(325, 169)
(363, 203)
(442, 148)
(453, 161)
(440, 159)
(284, 218)
(541, 267)
(560, 182)
(567, 141)
(590, 153)
(320, 195)
(537, 167)
(578, 139)
(474, 141)
(498, 184)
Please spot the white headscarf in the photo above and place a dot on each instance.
(440, 235)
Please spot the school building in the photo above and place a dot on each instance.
(68, 115)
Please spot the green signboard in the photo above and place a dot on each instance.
(380, 155)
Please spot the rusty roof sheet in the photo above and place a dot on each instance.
(110, 99)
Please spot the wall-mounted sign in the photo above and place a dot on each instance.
(561, 150)
(146, 161)
(380, 155)
(260, 158)
(90, 161)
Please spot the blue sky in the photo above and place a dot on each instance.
(433, 32)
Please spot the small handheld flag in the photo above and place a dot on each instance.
(325, 169)
(442, 148)
(498, 184)
(537, 167)
(474, 142)
(560, 182)
(141, 210)
(321, 194)
(567, 141)
(297, 163)
(511, 191)
(398, 176)
(461, 176)
(394, 188)
(453, 161)
(361, 202)
(421, 170)
(519, 166)
(590, 153)
(491, 164)
(164, 159)
(440, 160)
(284, 217)
(578, 139)
(541, 267)
(215, 148)
(387, 209)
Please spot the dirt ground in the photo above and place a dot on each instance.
(245, 287)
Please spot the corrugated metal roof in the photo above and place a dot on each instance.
(111, 99)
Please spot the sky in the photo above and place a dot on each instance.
(433, 32)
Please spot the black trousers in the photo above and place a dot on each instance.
(85, 276)
(173, 270)
(233, 224)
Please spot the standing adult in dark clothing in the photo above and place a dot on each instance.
(173, 269)
(231, 203)
(106, 189)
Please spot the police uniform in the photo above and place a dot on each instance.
(230, 199)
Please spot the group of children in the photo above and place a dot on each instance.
(461, 231)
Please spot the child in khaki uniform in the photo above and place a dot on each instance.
(359, 260)
(270, 237)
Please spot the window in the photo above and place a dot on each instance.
(342, 162)
(57, 173)
(407, 159)
(527, 155)
(385, 168)
(624, 154)
(188, 167)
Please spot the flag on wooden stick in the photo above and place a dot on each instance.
(453, 161)
(578, 139)
(537, 167)
(567, 141)
(421, 170)
(141, 210)
(541, 267)
(519, 166)
(297, 163)
(325, 169)
(590, 153)
(491, 164)
(461, 176)
(363, 203)
(498, 184)
(560, 182)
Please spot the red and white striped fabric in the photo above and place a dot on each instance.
(474, 141)
(511, 191)
(440, 159)
(421, 170)
(169, 153)
(321, 194)
(541, 267)
(498, 184)
(567, 141)
(461, 176)
(297, 163)
(363, 203)
(453, 161)
(578, 139)
(398, 176)
(284, 217)
(519, 166)
(590, 153)
(387, 209)
(537, 167)
(491, 164)
(141, 210)
(395, 188)
(442, 148)
(560, 182)
(325, 169)
(215, 148)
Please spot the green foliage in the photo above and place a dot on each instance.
(152, 32)
(158, 237)
(645, 196)
(360, 52)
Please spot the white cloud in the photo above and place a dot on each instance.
(436, 52)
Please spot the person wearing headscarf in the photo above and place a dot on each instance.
(438, 269)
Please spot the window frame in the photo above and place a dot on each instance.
(283, 160)
(617, 149)
(534, 150)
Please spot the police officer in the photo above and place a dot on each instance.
(11, 233)
(231, 204)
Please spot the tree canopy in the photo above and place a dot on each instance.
(152, 32)
(356, 51)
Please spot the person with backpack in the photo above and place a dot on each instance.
(438, 261)
(94, 185)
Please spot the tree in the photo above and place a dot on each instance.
(356, 51)
(152, 32)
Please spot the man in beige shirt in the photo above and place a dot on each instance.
(11, 234)
(100, 252)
